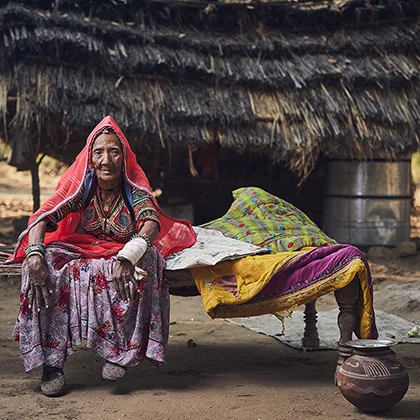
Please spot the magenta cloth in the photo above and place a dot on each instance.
(309, 269)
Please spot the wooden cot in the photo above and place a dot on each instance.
(181, 283)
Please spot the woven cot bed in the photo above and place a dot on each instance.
(265, 256)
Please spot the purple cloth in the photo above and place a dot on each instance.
(311, 268)
(308, 269)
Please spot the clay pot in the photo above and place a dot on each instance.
(372, 379)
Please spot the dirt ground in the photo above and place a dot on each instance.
(225, 372)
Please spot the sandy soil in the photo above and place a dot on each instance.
(225, 372)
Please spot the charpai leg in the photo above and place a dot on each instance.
(347, 300)
(310, 337)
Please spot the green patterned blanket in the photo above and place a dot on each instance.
(263, 219)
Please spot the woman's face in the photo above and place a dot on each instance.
(107, 158)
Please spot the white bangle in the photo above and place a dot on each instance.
(39, 247)
(31, 253)
(146, 238)
(133, 250)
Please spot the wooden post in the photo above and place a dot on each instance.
(347, 300)
(36, 189)
(310, 337)
(23, 156)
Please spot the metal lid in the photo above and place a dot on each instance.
(371, 344)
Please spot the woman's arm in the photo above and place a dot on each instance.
(146, 216)
(73, 206)
(151, 229)
(124, 268)
(37, 233)
(38, 272)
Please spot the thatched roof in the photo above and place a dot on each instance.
(290, 79)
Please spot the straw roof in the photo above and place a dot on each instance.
(289, 79)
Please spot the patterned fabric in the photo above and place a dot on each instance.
(86, 307)
(114, 224)
(143, 208)
(273, 283)
(174, 235)
(71, 207)
(84, 304)
(263, 219)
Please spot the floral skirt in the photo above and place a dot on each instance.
(85, 306)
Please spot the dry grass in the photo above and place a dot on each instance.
(251, 85)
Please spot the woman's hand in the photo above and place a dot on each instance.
(122, 275)
(38, 286)
(123, 272)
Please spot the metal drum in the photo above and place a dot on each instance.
(368, 203)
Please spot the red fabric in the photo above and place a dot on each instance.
(175, 234)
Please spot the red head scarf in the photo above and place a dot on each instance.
(175, 234)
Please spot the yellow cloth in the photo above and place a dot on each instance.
(252, 275)
(254, 272)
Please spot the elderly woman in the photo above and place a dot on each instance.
(93, 266)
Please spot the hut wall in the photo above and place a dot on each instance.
(210, 192)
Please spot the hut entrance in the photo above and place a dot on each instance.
(208, 194)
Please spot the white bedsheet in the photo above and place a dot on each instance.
(211, 247)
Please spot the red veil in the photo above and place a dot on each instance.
(175, 234)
